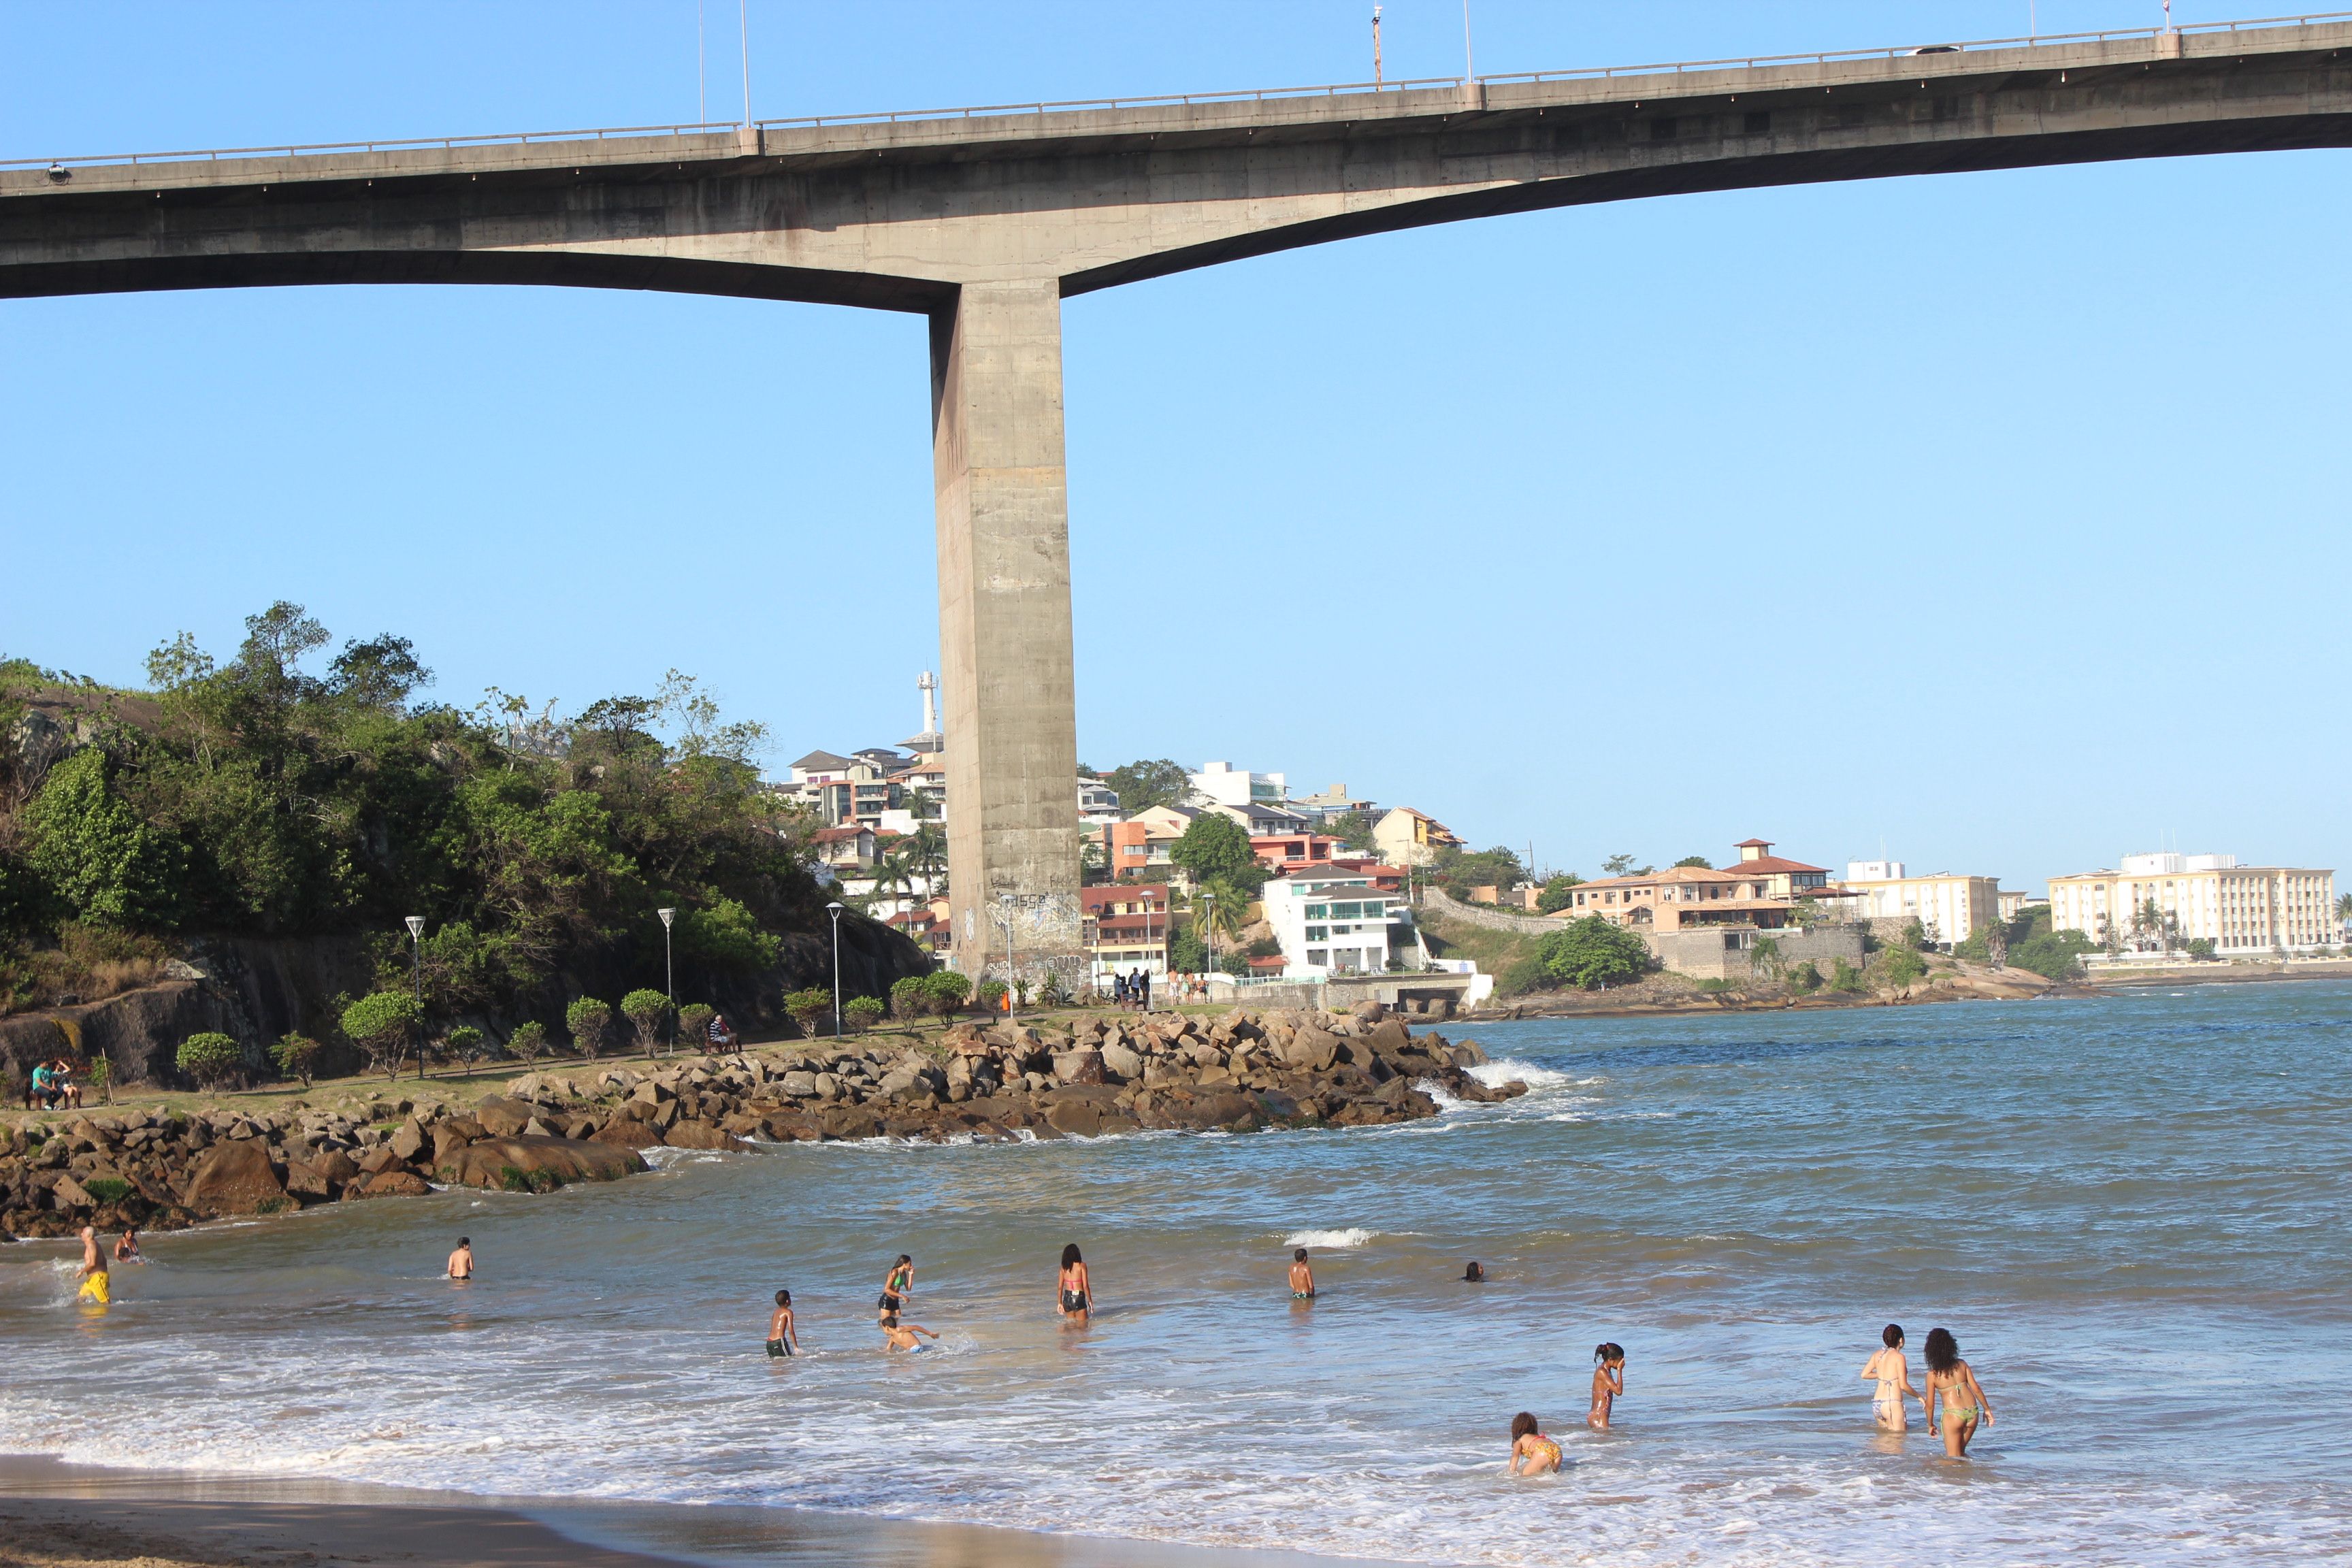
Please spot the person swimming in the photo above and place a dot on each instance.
(782, 1339)
(1074, 1293)
(461, 1259)
(1473, 1275)
(1302, 1277)
(1965, 1405)
(96, 1286)
(1893, 1373)
(1532, 1452)
(127, 1249)
(899, 1337)
(1608, 1383)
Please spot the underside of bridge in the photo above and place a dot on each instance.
(985, 222)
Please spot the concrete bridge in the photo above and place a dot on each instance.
(985, 220)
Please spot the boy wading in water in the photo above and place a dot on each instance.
(97, 1287)
(461, 1260)
(1965, 1404)
(781, 1340)
(1608, 1383)
(1302, 1277)
(1532, 1452)
(896, 1337)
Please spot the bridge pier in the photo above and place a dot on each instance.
(1005, 658)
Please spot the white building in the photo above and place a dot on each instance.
(1950, 906)
(1222, 783)
(1098, 804)
(2243, 910)
(1330, 922)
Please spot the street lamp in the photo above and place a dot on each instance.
(670, 977)
(834, 910)
(417, 973)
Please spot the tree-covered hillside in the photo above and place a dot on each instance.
(290, 792)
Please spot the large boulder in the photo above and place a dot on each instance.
(1121, 1064)
(626, 1132)
(702, 1135)
(500, 1117)
(1312, 1049)
(390, 1184)
(537, 1164)
(408, 1140)
(234, 1178)
(1087, 1118)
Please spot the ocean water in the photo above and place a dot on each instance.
(2130, 1210)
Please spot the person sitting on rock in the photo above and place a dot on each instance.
(66, 1090)
(36, 1088)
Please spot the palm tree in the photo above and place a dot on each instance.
(895, 868)
(1221, 906)
(926, 851)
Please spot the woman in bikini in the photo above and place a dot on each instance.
(1074, 1295)
(899, 1286)
(1891, 1370)
(1965, 1405)
(1532, 1452)
(1608, 1383)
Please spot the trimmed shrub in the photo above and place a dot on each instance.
(694, 1024)
(806, 1008)
(946, 991)
(1591, 952)
(591, 1023)
(383, 1025)
(864, 1012)
(297, 1056)
(647, 1011)
(212, 1059)
(908, 997)
(991, 995)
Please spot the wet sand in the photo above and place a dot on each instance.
(54, 1515)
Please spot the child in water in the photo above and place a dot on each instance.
(1608, 1383)
(1532, 1452)
(781, 1340)
(901, 1337)
(1302, 1277)
(1892, 1372)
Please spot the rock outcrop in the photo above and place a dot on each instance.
(1242, 1072)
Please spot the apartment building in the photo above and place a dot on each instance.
(1139, 846)
(1950, 906)
(2244, 911)
(1282, 853)
(846, 789)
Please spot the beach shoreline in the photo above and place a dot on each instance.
(55, 1514)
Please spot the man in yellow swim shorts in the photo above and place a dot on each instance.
(95, 1285)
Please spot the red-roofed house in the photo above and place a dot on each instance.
(1284, 852)
(1125, 927)
(1787, 879)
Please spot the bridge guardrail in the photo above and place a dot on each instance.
(1245, 95)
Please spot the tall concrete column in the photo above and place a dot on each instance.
(1004, 622)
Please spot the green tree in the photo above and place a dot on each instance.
(1557, 892)
(1617, 866)
(806, 1008)
(1187, 954)
(528, 1041)
(1222, 907)
(1140, 785)
(1765, 958)
(1699, 862)
(467, 1045)
(384, 1025)
(991, 996)
(1216, 848)
(1458, 871)
(1590, 952)
(90, 847)
(864, 1012)
(211, 1058)
(297, 1056)
(591, 1023)
(694, 1024)
(2198, 947)
(646, 1012)
(1899, 966)
(1353, 829)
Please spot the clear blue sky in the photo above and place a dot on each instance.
(1996, 518)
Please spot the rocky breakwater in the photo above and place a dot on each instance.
(168, 1170)
(1239, 1073)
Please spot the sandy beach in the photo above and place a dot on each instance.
(54, 1515)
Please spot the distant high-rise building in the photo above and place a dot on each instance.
(2243, 910)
